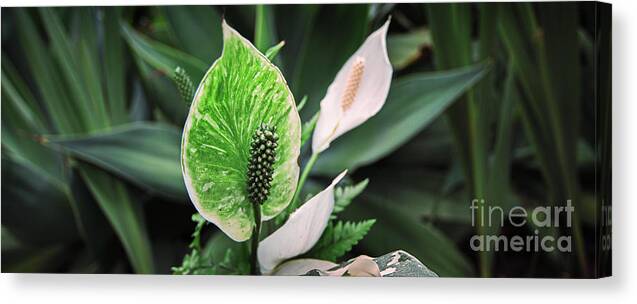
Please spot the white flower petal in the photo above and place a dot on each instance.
(302, 266)
(300, 232)
(357, 93)
(362, 266)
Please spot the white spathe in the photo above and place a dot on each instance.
(357, 93)
(300, 232)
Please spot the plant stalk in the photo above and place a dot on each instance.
(304, 175)
(254, 265)
(260, 28)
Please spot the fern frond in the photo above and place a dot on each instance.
(343, 196)
(339, 238)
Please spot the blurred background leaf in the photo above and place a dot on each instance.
(405, 49)
(143, 153)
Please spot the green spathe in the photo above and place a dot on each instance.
(241, 90)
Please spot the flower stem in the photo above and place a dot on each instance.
(254, 267)
(260, 28)
(304, 175)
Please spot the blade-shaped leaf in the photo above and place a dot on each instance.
(161, 56)
(20, 129)
(413, 102)
(146, 154)
(264, 31)
(114, 65)
(406, 48)
(20, 95)
(79, 72)
(125, 216)
(549, 94)
(294, 31)
(338, 31)
(161, 90)
(34, 207)
(197, 30)
(46, 75)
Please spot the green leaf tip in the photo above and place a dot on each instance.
(273, 51)
(241, 91)
(302, 103)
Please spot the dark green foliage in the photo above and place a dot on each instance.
(206, 260)
(192, 261)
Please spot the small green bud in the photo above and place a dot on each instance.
(184, 85)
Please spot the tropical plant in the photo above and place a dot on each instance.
(482, 103)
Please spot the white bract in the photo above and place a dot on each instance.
(357, 93)
(298, 235)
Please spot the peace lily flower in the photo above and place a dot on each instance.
(299, 234)
(240, 148)
(241, 141)
(357, 93)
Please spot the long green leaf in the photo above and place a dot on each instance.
(89, 70)
(161, 56)
(114, 65)
(125, 217)
(46, 75)
(264, 31)
(92, 222)
(22, 125)
(549, 81)
(451, 26)
(295, 32)
(413, 102)
(146, 154)
(161, 90)
(406, 48)
(499, 177)
(42, 169)
(197, 29)
(17, 90)
(338, 31)
(20, 144)
(77, 72)
(34, 207)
